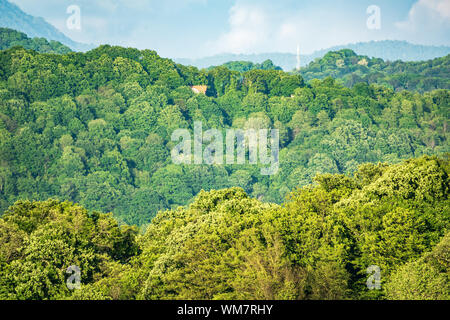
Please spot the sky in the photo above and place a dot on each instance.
(198, 28)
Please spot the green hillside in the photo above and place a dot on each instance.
(388, 50)
(95, 128)
(351, 68)
(128, 176)
(11, 38)
(12, 17)
(243, 66)
(226, 245)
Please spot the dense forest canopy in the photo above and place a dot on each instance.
(85, 133)
(94, 128)
(228, 245)
(243, 66)
(11, 38)
(351, 68)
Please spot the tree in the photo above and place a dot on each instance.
(425, 278)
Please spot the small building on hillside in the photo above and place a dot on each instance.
(199, 89)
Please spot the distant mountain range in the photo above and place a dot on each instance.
(388, 50)
(11, 16)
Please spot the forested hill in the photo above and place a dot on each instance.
(321, 244)
(351, 68)
(243, 66)
(10, 38)
(389, 50)
(11, 16)
(95, 128)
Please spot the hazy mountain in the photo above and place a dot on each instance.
(11, 16)
(389, 50)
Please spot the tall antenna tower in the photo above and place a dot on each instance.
(298, 57)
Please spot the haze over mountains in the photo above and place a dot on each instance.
(11, 16)
(388, 50)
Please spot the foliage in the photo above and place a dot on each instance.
(388, 50)
(243, 66)
(95, 128)
(352, 69)
(227, 245)
(40, 240)
(11, 38)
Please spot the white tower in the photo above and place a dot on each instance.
(298, 57)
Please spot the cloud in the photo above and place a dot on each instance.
(259, 27)
(442, 7)
(427, 15)
(428, 22)
(263, 26)
(194, 28)
(249, 28)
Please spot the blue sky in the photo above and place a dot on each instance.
(196, 28)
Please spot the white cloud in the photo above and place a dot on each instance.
(428, 23)
(249, 28)
(426, 15)
(442, 7)
(260, 27)
(256, 27)
(288, 30)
